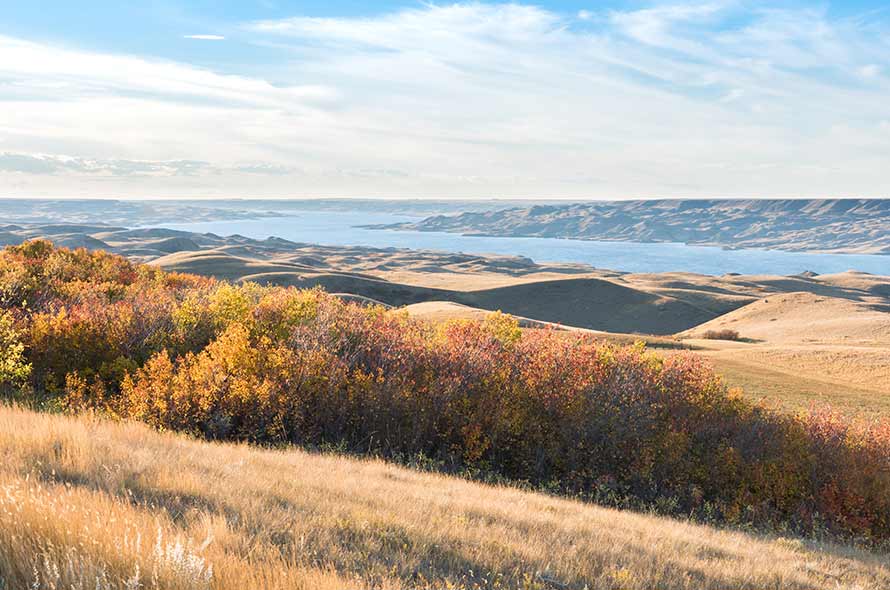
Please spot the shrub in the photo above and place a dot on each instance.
(14, 370)
(725, 334)
(566, 411)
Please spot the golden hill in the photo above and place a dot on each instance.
(804, 348)
(88, 503)
(796, 318)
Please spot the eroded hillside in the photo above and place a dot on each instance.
(836, 225)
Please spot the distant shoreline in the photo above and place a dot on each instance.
(829, 226)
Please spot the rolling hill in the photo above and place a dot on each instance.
(573, 295)
(807, 348)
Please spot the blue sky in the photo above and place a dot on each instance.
(158, 27)
(343, 98)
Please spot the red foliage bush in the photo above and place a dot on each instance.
(272, 365)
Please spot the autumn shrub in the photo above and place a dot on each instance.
(577, 415)
(93, 313)
(14, 369)
(725, 334)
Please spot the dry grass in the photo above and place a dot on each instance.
(444, 311)
(853, 381)
(88, 503)
(806, 348)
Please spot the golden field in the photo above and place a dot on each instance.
(86, 503)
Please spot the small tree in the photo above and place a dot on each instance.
(14, 371)
(503, 326)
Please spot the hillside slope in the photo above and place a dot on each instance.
(804, 347)
(839, 225)
(796, 318)
(82, 499)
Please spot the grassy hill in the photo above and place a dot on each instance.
(804, 347)
(96, 504)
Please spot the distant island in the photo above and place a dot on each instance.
(827, 225)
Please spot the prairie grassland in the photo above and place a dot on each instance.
(764, 376)
(90, 503)
(807, 348)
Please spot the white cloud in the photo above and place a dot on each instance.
(733, 94)
(55, 164)
(264, 168)
(585, 15)
(82, 74)
(653, 26)
(470, 100)
(870, 71)
(205, 37)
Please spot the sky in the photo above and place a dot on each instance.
(341, 98)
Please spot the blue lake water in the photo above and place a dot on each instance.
(337, 228)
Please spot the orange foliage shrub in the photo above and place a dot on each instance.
(276, 365)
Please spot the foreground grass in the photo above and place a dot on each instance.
(89, 503)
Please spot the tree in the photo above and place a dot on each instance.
(14, 371)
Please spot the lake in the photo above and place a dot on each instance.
(337, 228)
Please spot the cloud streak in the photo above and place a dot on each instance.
(694, 99)
(45, 164)
(53, 165)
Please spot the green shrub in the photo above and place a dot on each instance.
(14, 369)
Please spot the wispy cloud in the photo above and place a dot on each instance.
(482, 99)
(73, 74)
(205, 37)
(54, 164)
(666, 26)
